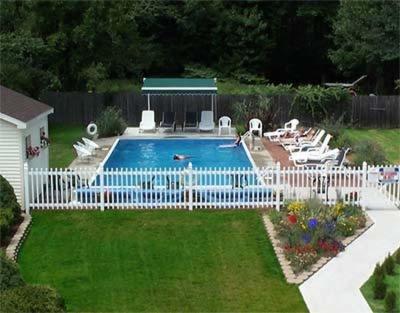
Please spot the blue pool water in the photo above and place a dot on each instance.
(158, 153)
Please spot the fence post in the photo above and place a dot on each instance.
(101, 174)
(278, 186)
(26, 188)
(364, 182)
(190, 186)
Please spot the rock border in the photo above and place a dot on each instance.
(15, 244)
(287, 270)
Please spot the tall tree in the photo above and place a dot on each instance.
(366, 35)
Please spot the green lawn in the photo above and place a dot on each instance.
(129, 261)
(389, 139)
(392, 283)
(62, 138)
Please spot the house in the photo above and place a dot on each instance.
(23, 137)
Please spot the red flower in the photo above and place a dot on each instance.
(292, 218)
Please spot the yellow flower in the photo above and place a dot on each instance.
(296, 207)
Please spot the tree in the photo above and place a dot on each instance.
(366, 36)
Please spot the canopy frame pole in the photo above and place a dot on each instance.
(148, 102)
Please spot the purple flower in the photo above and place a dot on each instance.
(312, 223)
(306, 237)
(330, 227)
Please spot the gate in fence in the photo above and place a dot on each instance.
(197, 188)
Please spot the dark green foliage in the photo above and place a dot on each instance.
(388, 265)
(379, 270)
(10, 209)
(335, 127)
(390, 301)
(369, 151)
(396, 256)
(110, 123)
(9, 274)
(317, 101)
(32, 299)
(379, 288)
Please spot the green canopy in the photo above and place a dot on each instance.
(179, 86)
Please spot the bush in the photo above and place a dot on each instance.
(379, 270)
(389, 265)
(317, 101)
(335, 127)
(390, 301)
(110, 123)
(368, 151)
(379, 287)
(32, 299)
(9, 274)
(10, 210)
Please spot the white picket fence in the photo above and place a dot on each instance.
(195, 188)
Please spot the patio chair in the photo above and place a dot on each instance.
(289, 127)
(90, 144)
(190, 120)
(168, 120)
(224, 122)
(315, 157)
(312, 153)
(329, 160)
(306, 144)
(147, 123)
(298, 138)
(207, 121)
(255, 125)
(82, 152)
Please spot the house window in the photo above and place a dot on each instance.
(28, 145)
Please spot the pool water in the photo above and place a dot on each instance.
(158, 153)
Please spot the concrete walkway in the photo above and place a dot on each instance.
(336, 287)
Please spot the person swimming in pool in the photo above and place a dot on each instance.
(180, 157)
(238, 140)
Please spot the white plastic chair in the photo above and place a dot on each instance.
(207, 121)
(255, 125)
(90, 144)
(82, 152)
(312, 153)
(287, 127)
(148, 122)
(224, 122)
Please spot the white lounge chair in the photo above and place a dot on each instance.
(90, 144)
(311, 153)
(308, 135)
(318, 159)
(82, 152)
(224, 122)
(207, 121)
(287, 127)
(306, 144)
(255, 125)
(148, 123)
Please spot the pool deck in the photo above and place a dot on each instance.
(256, 146)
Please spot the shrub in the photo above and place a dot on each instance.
(379, 270)
(10, 210)
(110, 123)
(318, 101)
(368, 151)
(397, 256)
(32, 299)
(390, 301)
(389, 265)
(335, 127)
(379, 287)
(9, 274)
(346, 226)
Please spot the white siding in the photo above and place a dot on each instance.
(33, 129)
(11, 155)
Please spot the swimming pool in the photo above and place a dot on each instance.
(158, 153)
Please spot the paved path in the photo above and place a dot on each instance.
(336, 287)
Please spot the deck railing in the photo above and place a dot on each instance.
(197, 188)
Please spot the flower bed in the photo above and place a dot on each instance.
(309, 230)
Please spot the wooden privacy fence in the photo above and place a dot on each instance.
(82, 108)
(198, 188)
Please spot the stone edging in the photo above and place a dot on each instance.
(299, 278)
(18, 238)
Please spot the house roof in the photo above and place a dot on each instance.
(161, 86)
(19, 109)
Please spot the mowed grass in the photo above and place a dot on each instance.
(160, 261)
(389, 139)
(392, 283)
(62, 138)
